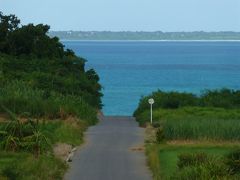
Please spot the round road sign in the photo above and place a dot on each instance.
(151, 101)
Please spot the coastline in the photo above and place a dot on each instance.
(77, 40)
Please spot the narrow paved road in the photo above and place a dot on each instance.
(111, 152)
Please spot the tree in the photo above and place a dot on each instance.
(27, 53)
(8, 24)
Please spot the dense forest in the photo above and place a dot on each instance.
(47, 100)
(39, 76)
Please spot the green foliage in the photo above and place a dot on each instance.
(152, 153)
(204, 166)
(233, 161)
(211, 170)
(28, 39)
(213, 115)
(22, 166)
(160, 135)
(23, 135)
(23, 99)
(64, 76)
(41, 80)
(163, 159)
(190, 159)
(28, 54)
(197, 123)
(7, 24)
(168, 100)
(67, 131)
(37, 137)
(224, 98)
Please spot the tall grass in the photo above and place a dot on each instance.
(196, 123)
(23, 166)
(21, 99)
(68, 131)
(152, 152)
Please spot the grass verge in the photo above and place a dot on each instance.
(25, 166)
(163, 158)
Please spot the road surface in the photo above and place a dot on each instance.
(112, 151)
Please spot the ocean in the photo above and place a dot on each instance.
(131, 69)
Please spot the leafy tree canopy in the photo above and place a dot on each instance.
(27, 53)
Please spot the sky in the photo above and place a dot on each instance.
(128, 15)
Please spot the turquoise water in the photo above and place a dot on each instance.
(129, 70)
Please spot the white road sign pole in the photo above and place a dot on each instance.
(151, 113)
(151, 102)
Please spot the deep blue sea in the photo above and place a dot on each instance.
(131, 69)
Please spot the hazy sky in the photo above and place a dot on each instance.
(122, 15)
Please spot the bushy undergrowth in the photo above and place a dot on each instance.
(69, 131)
(196, 159)
(233, 162)
(224, 98)
(17, 135)
(28, 155)
(193, 161)
(23, 166)
(36, 136)
(203, 166)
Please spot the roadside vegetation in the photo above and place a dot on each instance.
(192, 137)
(47, 98)
(198, 161)
(197, 123)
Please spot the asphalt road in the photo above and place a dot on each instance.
(112, 151)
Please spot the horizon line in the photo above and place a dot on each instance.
(138, 31)
(170, 40)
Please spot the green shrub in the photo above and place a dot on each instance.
(203, 172)
(191, 159)
(24, 135)
(69, 133)
(223, 98)
(233, 162)
(45, 167)
(156, 124)
(200, 166)
(168, 100)
(11, 172)
(160, 135)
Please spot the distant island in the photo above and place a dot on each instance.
(140, 35)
